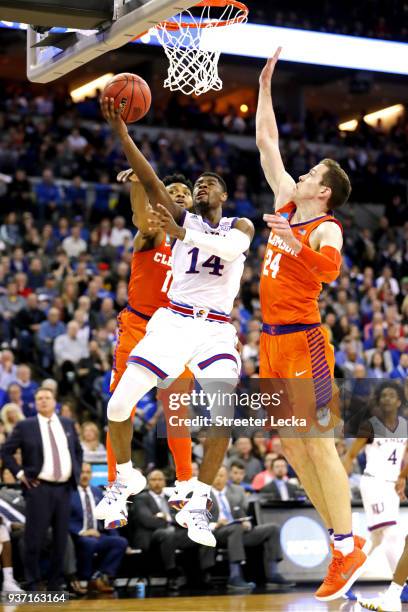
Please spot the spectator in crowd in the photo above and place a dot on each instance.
(99, 552)
(267, 475)
(152, 527)
(51, 465)
(401, 371)
(69, 349)
(93, 449)
(27, 385)
(279, 487)
(48, 195)
(15, 396)
(119, 232)
(11, 414)
(27, 324)
(74, 245)
(243, 451)
(48, 331)
(8, 369)
(232, 527)
(236, 475)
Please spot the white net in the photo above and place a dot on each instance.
(193, 69)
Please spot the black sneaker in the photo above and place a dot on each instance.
(239, 584)
(277, 580)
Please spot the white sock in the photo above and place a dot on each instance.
(8, 574)
(394, 591)
(125, 471)
(345, 545)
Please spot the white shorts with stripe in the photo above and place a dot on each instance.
(381, 502)
(174, 341)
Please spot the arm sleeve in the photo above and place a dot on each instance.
(227, 247)
(324, 264)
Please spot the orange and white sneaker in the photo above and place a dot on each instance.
(342, 573)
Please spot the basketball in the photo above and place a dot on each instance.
(131, 94)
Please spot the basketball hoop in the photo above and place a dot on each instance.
(193, 69)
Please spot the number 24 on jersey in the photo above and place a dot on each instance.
(272, 263)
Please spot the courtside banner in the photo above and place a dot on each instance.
(285, 407)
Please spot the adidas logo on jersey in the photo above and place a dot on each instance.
(276, 241)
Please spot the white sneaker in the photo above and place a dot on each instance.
(197, 521)
(386, 603)
(113, 507)
(179, 494)
(11, 586)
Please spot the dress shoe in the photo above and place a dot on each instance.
(101, 585)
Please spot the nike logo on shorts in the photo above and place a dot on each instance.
(300, 373)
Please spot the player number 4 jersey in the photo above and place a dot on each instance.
(201, 279)
(289, 292)
(386, 452)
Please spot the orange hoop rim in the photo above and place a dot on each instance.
(173, 26)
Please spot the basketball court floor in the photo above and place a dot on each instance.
(300, 601)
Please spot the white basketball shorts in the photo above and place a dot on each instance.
(381, 502)
(173, 341)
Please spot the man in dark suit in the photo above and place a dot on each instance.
(231, 528)
(279, 488)
(151, 524)
(90, 540)
(51, 466)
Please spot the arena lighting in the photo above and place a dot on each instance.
(244, 108)
(321, 48)
(307, 47)
(348, 126)
(89, 89)
(387, 115)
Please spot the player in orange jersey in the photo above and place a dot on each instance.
(149, 283)
(304, 251)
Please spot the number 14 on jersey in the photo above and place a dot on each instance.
(272, 263)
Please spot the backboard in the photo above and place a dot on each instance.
(130, 19)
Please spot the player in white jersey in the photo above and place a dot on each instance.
(397, 592)
(194, 331)
(384, 438)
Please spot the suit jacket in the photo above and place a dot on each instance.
(26, 436)
(273, 492)
(76, 520)
(143, 522)
(237, 500)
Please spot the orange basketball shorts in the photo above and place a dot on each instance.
(298, 359)
(131, 329)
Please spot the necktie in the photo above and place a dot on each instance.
(89, 519)
(55, 454)
(163, 505)
(224, 507)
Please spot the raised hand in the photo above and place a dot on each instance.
(126, 176)
(113, 117)
(266, 74)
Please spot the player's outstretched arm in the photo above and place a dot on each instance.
(228, 247)
(267, 139)
(154, 187)
(145, 239)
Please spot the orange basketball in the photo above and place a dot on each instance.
(131, 94)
